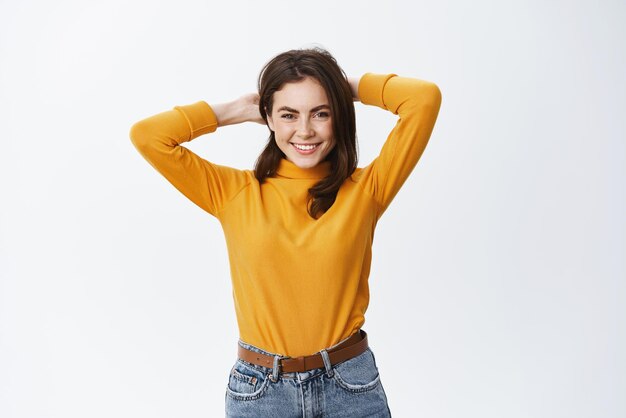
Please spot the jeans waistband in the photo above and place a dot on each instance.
(268, 353)
(326, 358)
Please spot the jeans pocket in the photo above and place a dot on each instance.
(358, 374)
(245, 383)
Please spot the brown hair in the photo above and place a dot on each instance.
(293, 66)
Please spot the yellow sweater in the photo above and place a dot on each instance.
(299, 284)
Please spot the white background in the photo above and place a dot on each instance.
(499, 277)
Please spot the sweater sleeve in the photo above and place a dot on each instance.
(417, 103)
(158, 139)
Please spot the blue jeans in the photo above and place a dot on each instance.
(351, 389)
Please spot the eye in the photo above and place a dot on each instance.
(322, 115)
(287, 116)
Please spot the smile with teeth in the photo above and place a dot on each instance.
(303, 147)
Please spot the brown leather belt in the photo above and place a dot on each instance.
(352, 347)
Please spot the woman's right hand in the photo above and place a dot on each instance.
(243, 109)
(354, 87)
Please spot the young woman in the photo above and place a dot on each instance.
(299, 227)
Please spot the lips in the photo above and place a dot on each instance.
(305, 148)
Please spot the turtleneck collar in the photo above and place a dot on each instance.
(288, 169)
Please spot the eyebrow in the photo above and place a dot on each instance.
(315, 109)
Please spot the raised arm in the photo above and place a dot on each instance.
(158, 139)
(417, 104)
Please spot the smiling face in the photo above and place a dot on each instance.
(302, 122)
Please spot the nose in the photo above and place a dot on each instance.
(305, 130)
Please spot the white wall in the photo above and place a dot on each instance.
(501, 261)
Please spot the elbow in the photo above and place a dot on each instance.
(433, 96)
(424, 95)
(430, 99)
(140, 134)
(424, 102)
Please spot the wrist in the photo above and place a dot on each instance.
(226, 113)
(354, 87)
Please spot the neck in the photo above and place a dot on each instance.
(289, 169)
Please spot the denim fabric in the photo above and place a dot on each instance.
(351, 389)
